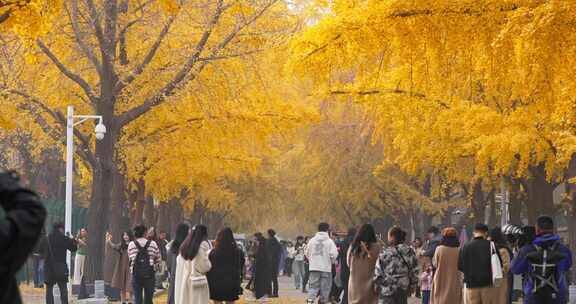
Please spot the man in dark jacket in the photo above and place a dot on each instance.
(53, 249)
(546, 252)
(475, 262)
(21, 220)
(274, 250)
(434, 239)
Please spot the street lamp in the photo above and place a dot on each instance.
(100, 131)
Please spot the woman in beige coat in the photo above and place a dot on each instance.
(191, 286)
(361, 258)
(447, 283)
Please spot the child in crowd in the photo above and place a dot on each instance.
(426, 282)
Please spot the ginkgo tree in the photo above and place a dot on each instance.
(478, 89)
(125, 59)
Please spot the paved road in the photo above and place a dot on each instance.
(288, 294)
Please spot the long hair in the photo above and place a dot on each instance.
(367, 236)
(225, 243)
(189, 249)
(181, 234)
(124, 244)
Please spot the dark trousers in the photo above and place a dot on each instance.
(425, 296)
(143, 290)
(400, 297)
(274, 284)
(63, 292)
(306, 276)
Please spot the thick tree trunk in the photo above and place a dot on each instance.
(478, 203)
(149, 212)
(102, 180)
(139, 197)
(540, 198)
(116, 224)
(515, 204)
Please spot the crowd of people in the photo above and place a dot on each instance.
(448, 267)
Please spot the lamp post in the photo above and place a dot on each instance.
(100, 131)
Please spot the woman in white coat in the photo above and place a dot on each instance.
(191, 286)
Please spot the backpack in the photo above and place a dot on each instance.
(544, 263)
(141, 267)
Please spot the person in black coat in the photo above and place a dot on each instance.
(261, 277)
(225, 277)
(53, 248)
(274, 250)
(22, 217)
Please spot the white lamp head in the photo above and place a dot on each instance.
(100, 131)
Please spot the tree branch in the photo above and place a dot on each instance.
(73, 76)
(58, 117)
(79, 39)
(139, 69)
(169, 88)
(183, 74)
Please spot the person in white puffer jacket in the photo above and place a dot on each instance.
(322, 253)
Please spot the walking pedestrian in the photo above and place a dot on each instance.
(423, 262)
(344, 265)
(38, 263)
(306, 267)
(322, 254)
(225, 276)
(53, 250)
(361, 258)
(545, 264)
(81, 253)
(192, 265)
(396, 273)
(298, 264)
(447, 283)
(504, 288)
(425, 283)
(163, 267)
(475, 262)
(144, 255)
(122, 277)
(434, 238)
(21, 221)
(274, 250)
(289, 261)
(261, 276)
(173, 251)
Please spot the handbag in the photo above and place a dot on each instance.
(497, 275)
(198, 281)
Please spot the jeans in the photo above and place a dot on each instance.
(38, 271)
(63, 286)
(298, 269)
(145, 286)
(425, 296)
(320, 283)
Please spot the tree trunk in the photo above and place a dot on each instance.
(493, 220)
(102, 178)
(116, 225)
(515, 204)
(149, 218)
(540, 198)
(478, 203)
(139, 197)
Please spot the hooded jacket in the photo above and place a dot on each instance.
(521, 265)
(321, 252)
